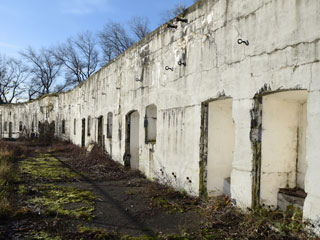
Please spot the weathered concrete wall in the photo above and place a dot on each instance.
(283, 54)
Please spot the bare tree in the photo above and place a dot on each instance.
(45, 70)
(173, 12)
(33, 88)
(3, 72)
(79, 56)
(140, 26)
(114, 40)
(13, 74)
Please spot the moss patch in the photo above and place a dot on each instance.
(22, 189)
(46, 167)
(171, 207)
(64, 201)
(51, 199)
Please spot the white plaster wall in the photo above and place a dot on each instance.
(241, 175)
(283, 53)
(302, 162)
(178, 138)
(311, 208)
(220, 145)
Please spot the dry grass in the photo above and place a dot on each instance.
(225, 220)
(7, 175)
(96, 164)
(13, 151)
(9, 153)
(7, 172)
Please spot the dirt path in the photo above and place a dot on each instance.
(125, 206)
(57, 201)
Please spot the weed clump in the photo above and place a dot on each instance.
(225, 220)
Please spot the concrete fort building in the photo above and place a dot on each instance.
(224, 99)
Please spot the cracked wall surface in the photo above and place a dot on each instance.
(283, 54)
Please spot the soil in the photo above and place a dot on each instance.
(64, 192)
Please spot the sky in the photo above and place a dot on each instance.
(45, 23)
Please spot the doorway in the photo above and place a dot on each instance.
(132, 141)
(220, 147)
(83, 133)
(10, 129)
(217, 147)
(283, 147)
(100, 132)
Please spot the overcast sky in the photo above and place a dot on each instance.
(43, 23)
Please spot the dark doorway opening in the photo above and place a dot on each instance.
(83, 135)
(100, 132)
(132, 140)
(10, 129)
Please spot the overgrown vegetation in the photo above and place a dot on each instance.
(9, 153)
(227, 221)
(166, 197)
(46, 168)
(6, 176)
(52, 200)
(95, 164)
